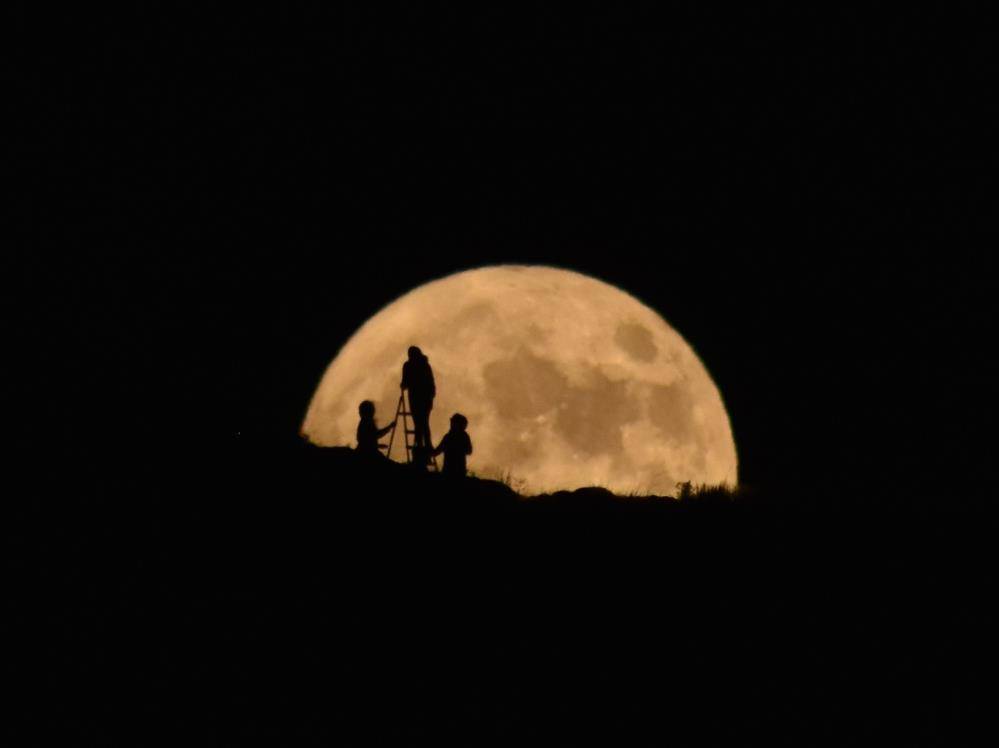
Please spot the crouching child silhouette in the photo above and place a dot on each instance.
(368, 432)
(456, 446)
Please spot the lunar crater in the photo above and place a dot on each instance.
(636, 341)
(524, 386)
(594, 415)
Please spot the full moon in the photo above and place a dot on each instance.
(566, 382)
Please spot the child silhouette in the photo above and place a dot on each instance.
(455, 445)
(368, 432)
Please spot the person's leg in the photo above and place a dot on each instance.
(421, 443)
(421, 426)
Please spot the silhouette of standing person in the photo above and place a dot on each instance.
(456, 446)
(418, 378)
(368, 432)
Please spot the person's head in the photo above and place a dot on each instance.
(458, 422)
(366, 409)
(414, 353)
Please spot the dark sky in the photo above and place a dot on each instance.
(801, 195)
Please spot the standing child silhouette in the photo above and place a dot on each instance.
(456, 446)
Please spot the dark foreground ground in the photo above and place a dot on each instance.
(300, 598)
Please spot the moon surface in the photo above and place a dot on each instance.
(566, 382)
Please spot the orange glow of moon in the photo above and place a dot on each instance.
(566, 381)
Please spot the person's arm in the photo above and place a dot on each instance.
(468, 444)
(440, 447)
(382, 432)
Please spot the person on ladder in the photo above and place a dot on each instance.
(418, 379)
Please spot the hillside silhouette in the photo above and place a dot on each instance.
(294, 594)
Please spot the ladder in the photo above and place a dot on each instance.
(402, 410)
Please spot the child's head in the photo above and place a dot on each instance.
(366, 409)
(458, 422)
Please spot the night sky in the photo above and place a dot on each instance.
(800, 195)
(212, 205)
